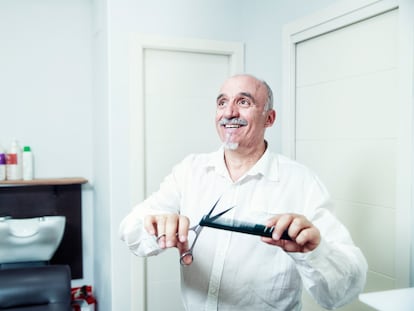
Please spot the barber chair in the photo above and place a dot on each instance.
(37, 288)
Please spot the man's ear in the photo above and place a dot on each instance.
(270, 118)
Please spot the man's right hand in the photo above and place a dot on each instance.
(171, 230)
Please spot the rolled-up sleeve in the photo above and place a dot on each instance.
(138, 240)
(335, 272)
(332, 274)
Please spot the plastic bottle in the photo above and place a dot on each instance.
(14, 162)
(2, 163)
(27, 163)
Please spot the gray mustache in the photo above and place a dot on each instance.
(236, 121)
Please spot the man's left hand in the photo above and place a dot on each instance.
(305, 236)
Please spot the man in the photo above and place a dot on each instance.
(238, 271)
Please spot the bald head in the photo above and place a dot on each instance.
(262, 88)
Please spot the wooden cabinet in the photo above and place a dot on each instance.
(50, 197)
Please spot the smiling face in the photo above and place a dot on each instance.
(241, 116)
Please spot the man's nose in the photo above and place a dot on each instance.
(231, 110)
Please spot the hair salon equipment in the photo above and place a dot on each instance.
(27, 280)
(43, 288)
(27, 161)
(218, 222)
(29, 240)
(14, 161)
(2, 163)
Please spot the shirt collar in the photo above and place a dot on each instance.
(267, 166)
(217, 162)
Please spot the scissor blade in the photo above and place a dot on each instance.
(212, 209)
(218, 215)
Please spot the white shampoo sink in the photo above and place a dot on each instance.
(30, 239)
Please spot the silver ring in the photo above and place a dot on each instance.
(160, 236)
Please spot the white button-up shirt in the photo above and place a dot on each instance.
(236, 271)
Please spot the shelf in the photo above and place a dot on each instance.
(44, 181)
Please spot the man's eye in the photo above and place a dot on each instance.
(244, 102)
(221, 104)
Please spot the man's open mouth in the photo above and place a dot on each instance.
(233, 123)
(232, 126)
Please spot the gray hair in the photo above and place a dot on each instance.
(269, 103)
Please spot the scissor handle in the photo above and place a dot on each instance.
(196, 229)
(184, 255)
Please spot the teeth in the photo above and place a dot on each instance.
(232, 126)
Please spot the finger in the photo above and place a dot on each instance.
(150, 224)
(160, 221)
(171, 229)
(161, 236)
(183, 225)
(309, 239)
(161, 233)
(281, 226)
(297, 225)
(183, 245)
(271, 222)
(186, 259)
(186, 256)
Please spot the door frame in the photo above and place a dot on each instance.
(339, 15)
(138, 44)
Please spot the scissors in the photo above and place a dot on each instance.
(229, 225)
(197, 230)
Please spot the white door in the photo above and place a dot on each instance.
(347, 128)
(180, 81)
